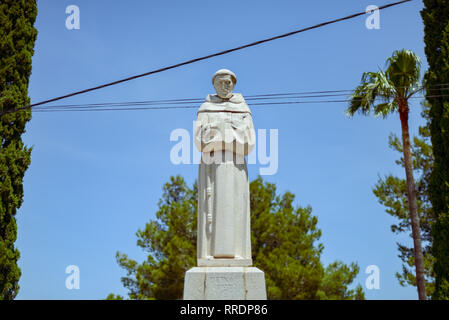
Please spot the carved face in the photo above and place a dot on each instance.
(224, 85)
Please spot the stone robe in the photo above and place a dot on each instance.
(224, 133)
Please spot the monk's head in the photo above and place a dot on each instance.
(224, 81)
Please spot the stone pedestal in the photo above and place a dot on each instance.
(224, 283)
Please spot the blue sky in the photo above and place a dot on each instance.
(95, 177)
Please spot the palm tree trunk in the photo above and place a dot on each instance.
(411, 194)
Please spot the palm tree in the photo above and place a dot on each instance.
(386, 92)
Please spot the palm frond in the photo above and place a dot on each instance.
(384, 109)
(403, 70)
(374, 86)
(399, 81)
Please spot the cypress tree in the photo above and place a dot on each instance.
(17, 36)
(436, 37)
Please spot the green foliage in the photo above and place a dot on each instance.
(284, 245)
(170, 242)
(112, 296)
(382, 90)
(391, 192)
(435, 16)
(17, 36)
(337, 278)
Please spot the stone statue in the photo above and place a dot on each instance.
(224, 134)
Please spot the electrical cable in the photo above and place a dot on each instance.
(201, 58)
(159, 107)
(270, 96)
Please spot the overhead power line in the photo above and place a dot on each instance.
(136, 107)
(203, 58)
(269, 96)
(180, 103)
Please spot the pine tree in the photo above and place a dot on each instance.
(435, 16)
(17, 36)
(170, 242)
(284, 246)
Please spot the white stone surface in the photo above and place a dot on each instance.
(223, 262)
(224, 133)
(224, 283)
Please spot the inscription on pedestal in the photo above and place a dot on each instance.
(224, 283)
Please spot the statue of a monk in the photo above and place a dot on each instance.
(224, 134)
